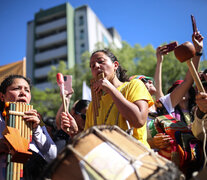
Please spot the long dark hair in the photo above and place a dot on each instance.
(120, 72)
(8, 82)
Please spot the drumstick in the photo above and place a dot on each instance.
(184, 53)
(60, 82)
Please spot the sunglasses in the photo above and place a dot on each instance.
(144, 80)
(83, 116)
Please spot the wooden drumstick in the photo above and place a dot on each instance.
(184, 53)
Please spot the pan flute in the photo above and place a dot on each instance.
(96, 97)
(18, 134)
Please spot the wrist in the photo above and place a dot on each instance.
(200, 113)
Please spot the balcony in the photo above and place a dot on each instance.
(57, 24)
(51, 40)
(43, 86)
(42, 72)
(51, 54)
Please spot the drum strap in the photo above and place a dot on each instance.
(107, 115)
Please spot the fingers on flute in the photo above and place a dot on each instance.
(31, 112)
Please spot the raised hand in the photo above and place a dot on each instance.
(67, 121)
(201, 101)
(197, 39)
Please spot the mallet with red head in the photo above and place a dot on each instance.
(184, 53)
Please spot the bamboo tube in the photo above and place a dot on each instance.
(96, 97)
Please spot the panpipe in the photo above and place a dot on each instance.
(18, 134)
(96, 97)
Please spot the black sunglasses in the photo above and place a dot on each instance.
(144, 80)
(83, 116)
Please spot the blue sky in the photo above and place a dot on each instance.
(137, 21)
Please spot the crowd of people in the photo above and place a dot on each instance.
(134, 103)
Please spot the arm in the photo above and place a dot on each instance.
(160, 52)
(181, 90)
(61, 109)
(135, 112)
(44, 143)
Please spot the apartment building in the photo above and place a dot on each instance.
(63, 33)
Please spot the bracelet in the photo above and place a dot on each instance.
(199, 53)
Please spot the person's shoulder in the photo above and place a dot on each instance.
(135, 81)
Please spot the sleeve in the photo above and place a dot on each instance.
(166, 101)
(89, 117)
(44, 143)
(197, 126)
(138, 91)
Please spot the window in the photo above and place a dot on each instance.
(81, 22)
(82, 48)
(105, 41)
(82, 34)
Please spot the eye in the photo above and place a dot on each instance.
(15, 88)
(27, 90)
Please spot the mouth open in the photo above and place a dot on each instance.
(21, 100)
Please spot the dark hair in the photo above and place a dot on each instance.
(8, 82)
(81, 104)
(120, 72)
(205, 71)
(191, 103)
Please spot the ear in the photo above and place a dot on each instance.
(116, 65)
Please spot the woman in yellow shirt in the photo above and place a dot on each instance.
(122, 101)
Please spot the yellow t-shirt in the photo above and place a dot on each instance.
(108, 113)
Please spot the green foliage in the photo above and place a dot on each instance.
(46, 102)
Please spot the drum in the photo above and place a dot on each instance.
(107, 152)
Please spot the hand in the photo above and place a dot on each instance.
(32, 116)
(161, 140)
(67, 121)
(68, 95)
(102, 84)
(197, 39)
(201, 101)
(160, 52)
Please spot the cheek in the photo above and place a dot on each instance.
(29, 98)
(10, 97)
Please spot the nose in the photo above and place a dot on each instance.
(23, 92)
(96, 65)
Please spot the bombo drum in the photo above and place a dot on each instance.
(107, 152)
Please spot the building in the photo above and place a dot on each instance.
(63, 33)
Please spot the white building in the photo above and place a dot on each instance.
(63, 33)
